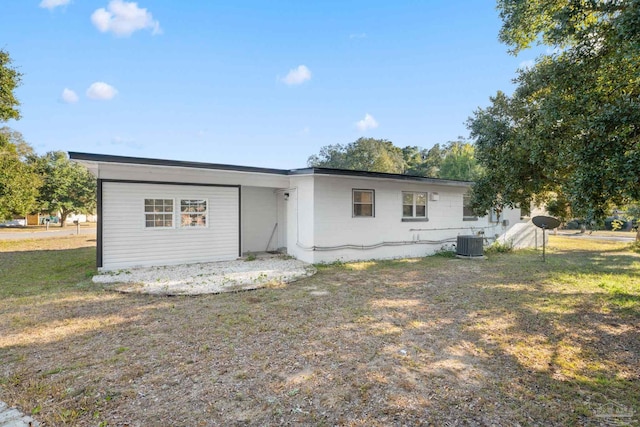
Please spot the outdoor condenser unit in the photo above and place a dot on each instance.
(469, 246)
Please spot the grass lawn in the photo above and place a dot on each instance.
(504, 341)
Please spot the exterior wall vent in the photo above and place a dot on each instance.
(469, 246)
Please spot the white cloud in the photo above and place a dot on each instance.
(358, 36)
(297, 76)
(124, 18)
(367, 123)
(69, 96)
(101, 91)
(52, 4)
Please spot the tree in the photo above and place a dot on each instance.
(571, 127)
(67, 186)
(421, 161)
(18, 181)
(453, 161)
(459, 162)
(10, 79)
(367, 154)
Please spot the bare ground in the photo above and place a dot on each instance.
(436, 341)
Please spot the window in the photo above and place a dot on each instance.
(467, 212)
(158, 213)
(494, 215)
(363, 201)
(414, 205)
(193, 213)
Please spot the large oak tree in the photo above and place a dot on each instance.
(571, 129)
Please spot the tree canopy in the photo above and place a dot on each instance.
(571, 129)
(19, 183)
(455, 160)
(67, 186)
(10, 79)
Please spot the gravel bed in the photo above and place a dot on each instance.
(207, 278)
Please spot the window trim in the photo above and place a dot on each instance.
(205, 213)
(415, 217)
(145, 213)
(465, 197)
(353, 202)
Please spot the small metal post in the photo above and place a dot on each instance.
(544, 243)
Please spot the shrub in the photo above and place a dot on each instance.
(498, 247)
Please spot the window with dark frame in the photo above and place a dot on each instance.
(363, 203)
(467, 212)
(414, 205)
(158, 213)
(193, 213)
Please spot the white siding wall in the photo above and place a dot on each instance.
(127, 243)
(334, 225)
(300, 217)
(259, 216)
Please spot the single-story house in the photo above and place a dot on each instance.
(162, 212)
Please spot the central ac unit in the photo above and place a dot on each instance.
(469, 246)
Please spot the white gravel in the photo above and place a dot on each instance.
(207, 278)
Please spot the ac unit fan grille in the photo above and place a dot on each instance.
(469, 246)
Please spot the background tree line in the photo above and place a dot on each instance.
(453, 160)
(30, 183)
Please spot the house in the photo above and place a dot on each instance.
(162, 212)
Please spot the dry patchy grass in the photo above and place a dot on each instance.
(434, 341)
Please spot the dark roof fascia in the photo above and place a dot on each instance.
(106, 158)
(365, 174)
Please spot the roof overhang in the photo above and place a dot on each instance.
(92, 161)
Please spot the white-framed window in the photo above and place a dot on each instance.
(193, 213)
(467, 212)
(158, 213)
(363, 203)
(414, 205)
(494, 215)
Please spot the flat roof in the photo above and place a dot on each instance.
(107, 158)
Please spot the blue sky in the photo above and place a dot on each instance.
(260, 83)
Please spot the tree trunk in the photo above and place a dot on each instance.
(638, 235)
(63, 217)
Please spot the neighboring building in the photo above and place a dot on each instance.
(162, 212)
